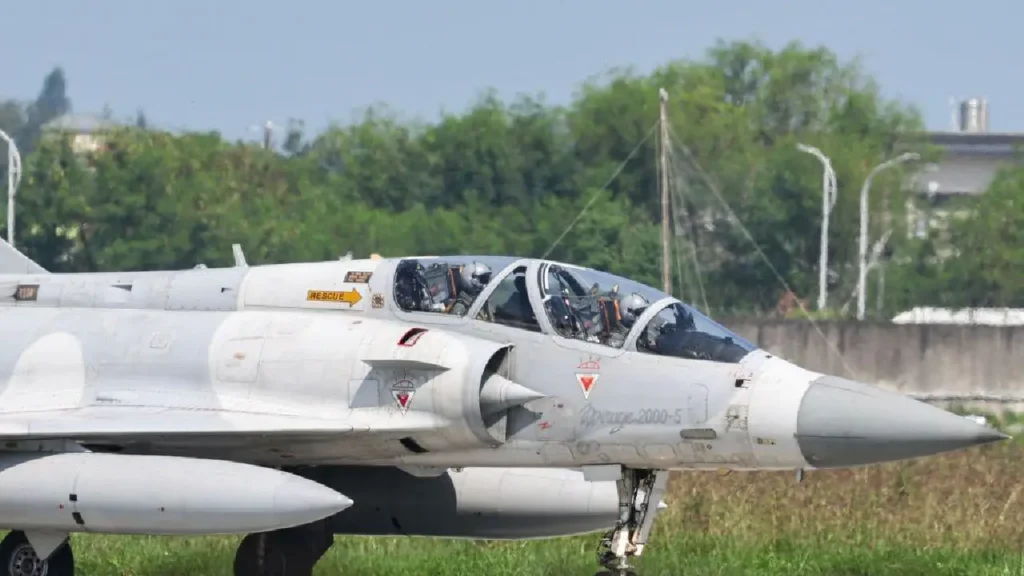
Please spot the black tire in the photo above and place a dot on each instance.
(16, 553)
(269, 554)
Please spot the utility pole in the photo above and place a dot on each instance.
(666, 269)
(268, 129)
(828, 201)
(13, 179)
(886, 227)
(863, 268)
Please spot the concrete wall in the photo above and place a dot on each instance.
(932, 362)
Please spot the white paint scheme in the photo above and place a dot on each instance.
(239, 255)
(45, 542)
(275, 374)
(491, 503)
(248, 365)
(775, 399)
(287, 285)
(49, 375)
(13, 261)
(549, 489)
(602, 472)
(155, 495)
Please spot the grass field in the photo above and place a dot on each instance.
(962, 513)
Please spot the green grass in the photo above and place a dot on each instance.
(666, 556)
(958, 514)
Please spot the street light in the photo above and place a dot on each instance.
(863, 271)
(828, 201)
(13, 180)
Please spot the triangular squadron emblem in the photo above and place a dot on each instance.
(588, 379)
(587, 382)
(403, 391)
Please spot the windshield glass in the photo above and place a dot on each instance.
(590, 305)
(681, 331)
(445, 284)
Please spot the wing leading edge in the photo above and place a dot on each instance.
(124, 424)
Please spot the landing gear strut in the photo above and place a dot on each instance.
(640, 493)
(19, 558)
(289, 552)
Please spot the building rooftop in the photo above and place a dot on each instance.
(951, 137)
(977, 143)
(80, 124)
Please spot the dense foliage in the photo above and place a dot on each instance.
(510, 178)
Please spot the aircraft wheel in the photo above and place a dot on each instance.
(271, 554)
(18, 558)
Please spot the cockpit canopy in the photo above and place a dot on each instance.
(578, 303)
(447, 285)
(590, 305)
(681, 331)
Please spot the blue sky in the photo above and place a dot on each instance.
(232, 64)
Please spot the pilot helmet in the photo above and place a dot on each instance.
(407, 267)
(476, 275)
(408, 286)
(631, 306)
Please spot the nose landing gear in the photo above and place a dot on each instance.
(640, 493)
(18, 556)
(288, 552)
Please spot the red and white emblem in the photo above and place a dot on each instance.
(587, 382)
(403, 391)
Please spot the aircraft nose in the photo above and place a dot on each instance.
(844, 423)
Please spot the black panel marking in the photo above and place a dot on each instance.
(413, 446)
(412, 336)
(104, 448)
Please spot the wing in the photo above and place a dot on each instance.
(261, 436)
(95, 423)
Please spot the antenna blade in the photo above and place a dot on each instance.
(240, 262)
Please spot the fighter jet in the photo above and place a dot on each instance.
(475, 397)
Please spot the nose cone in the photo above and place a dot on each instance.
(844, 423)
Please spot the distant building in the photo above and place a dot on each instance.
(971, 156)
(85, 132)
(964, 316)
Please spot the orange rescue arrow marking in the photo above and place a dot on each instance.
(350, 297)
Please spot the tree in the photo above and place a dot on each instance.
(293, 143)
(739, 115)
(987, 267)
(23, 122)
(51, 103)
(508, 178)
